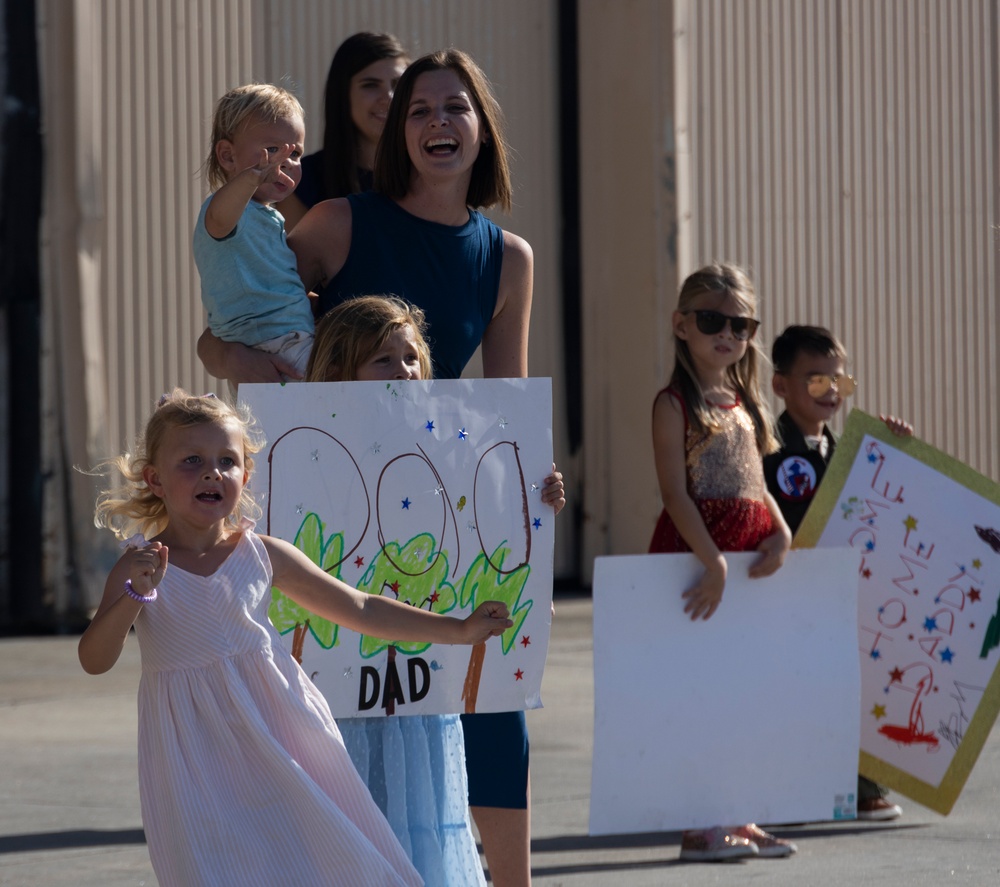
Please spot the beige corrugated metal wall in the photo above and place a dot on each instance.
(847, 153)
(129, 90)
(629, 193)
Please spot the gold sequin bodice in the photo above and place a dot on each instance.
(725, 464)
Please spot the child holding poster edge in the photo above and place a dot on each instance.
(243, 775)
(413, 764)
(810, 376)
(710, 429)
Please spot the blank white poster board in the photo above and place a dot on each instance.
(750, 716)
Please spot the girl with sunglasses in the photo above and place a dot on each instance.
(710, 429)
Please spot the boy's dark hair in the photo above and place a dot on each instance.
(795, 340)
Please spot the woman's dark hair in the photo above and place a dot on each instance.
(340, 151)
(490, 184)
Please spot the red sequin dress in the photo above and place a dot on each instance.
(725, 478)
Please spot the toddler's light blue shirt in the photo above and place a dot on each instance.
(250, 286)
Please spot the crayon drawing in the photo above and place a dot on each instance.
(428, 492)
(925, 527)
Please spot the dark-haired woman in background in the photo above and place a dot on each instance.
(359, 86)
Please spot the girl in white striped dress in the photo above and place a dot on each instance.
(243, 777)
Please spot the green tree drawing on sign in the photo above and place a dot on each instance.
(285, 614)
(415, 573)
(486, 581)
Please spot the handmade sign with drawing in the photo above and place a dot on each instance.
(426, 491)
(928, 532)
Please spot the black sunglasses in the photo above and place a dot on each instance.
(711, 322)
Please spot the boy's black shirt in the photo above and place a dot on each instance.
(794, 472)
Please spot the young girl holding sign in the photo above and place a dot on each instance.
(710, 429)
(413, 764)
(243, 777)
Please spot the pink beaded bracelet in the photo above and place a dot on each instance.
(141, 598)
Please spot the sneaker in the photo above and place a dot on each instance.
(715, 845)
(878, 810)
(768, 846)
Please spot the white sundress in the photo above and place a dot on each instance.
(243, 777)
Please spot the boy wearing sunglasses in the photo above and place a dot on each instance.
(811, 378)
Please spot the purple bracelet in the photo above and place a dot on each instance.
(141, 598)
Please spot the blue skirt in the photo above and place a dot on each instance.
(414, 767)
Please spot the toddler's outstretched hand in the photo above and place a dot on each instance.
(269, 167)
(703, 599)
(487, 620)
(897, 426)
(773, 550)
(148, 566)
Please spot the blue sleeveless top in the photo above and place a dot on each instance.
(452, 273)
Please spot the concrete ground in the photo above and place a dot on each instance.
(69, 806)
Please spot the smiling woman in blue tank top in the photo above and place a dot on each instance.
(419, 235)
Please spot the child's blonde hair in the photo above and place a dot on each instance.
(241, 106)
(721, 280)
(348, 334)
(133, 507)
